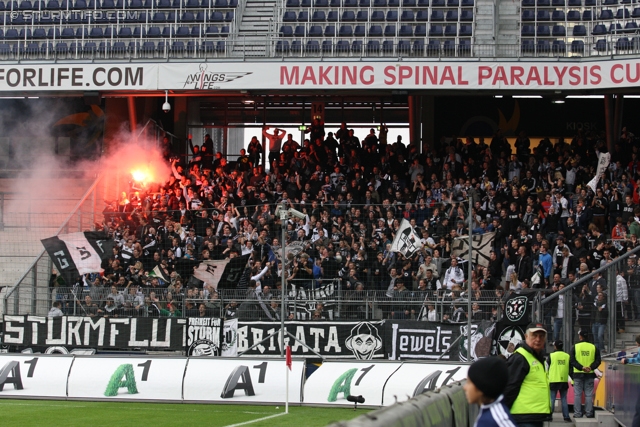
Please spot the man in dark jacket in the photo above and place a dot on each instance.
(524, 266)
(527, 393)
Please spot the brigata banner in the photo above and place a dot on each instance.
(417, 340)
(95, 332)
(343, 340)
(325, 75)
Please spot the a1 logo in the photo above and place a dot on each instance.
(10, 373)
(124, 377)
(342, 385)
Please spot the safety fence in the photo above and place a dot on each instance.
(622, 391)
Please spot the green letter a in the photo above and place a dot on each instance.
(116, 382)
(342, 385)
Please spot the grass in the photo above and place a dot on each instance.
(49, 413)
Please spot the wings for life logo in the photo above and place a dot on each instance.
(516, 308)
(364, 341)
(205, 79)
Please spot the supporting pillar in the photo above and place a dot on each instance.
(428, 123)
(617, 117)
(608, 120)
(415, 122)
(132, 113)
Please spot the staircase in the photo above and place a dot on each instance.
(508, 28)
(484, 32)
(254, 30)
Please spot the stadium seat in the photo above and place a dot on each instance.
(543, 31)
(605, 14)
(433, 48)
(349, 3)
(543, 3)
(390, 31)
(450, 30)
(96, 33)
(51, 5)
(558, 3)
(300, 31)
(615, 28)
(528, 31)
(219, 3)
(118, 48)
(393, 3)
(318, 16)
(579, 31)
(465, 31)
(453, 3)
(451, 16)
(139, 32)
(609, 2)
(90, 48)
(364, 3)
(407, 16)
(423, 3)
(597, 30)
(187, 17)
(623, 43)
(528, 46)
(636, 12)
(39, 33)
(543, 15)
(348, 16)
(159, 18)
(154, 32)
(360, 31)
(216, 17)
(408, 3)
(303, 16)
(282, 46)
(528, 15)
(207, 47)
(422, 16)
(62, 48)
(558, 31)
(558, 47)
(437, 16)
(437, 3)
(313, 46)
(601, 45)
(543, 46)
(195, 31)
(214, 31)
(182, 32)
(387, 46)
(528, 3)
(557, 15)
(362, 16)
(466, 16)
(404, 47)
(46, 49)
(321, 3)
(623, 13)
(67, 33)
(436, 31)
(289, 17)
(631, 27)
(375, 31)
(345, 31)
(315, 31)
(420, 31)
(377, 16)
(587, 15)
(286, 31)
(379, 3)
(590, 3)
(330, 31)
(177, 47)
(327, 46)
(373, 46)
(573, 15)
(575, 3)
(468, 3)
(343, 46)
(293, 3)
(449, 47)
(191, 4)
(406, 31)
(392, 16)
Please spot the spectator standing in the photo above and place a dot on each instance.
(632, 360)
(56, 310)
(622, 299)
(558, 362)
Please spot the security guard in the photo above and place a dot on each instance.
(558, 362)
(585, 359)
(527, 393)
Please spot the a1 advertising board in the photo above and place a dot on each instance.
(242, 380)
(332, 382)
(33, 375)
(413, 379)
(134, 378)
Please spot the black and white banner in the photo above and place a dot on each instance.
(204, 335)
(481, 249)
(411, 339)
(344, 340)
(95, 332)
(303, 302)
(407, 241)
(603, 163)
(78, 253)
(517, 308)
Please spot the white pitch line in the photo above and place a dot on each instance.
(255, 421)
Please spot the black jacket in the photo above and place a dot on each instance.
(518, 369)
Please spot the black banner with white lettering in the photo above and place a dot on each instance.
(411, 339)
(204, 335)
(95, 332)
(344, 340)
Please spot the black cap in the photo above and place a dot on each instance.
(584, 333)
(489, 375)
(558, 344)
(536, 327)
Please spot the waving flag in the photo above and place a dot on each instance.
(407, 242)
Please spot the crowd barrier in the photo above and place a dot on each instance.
(446, 407)
(217, 380)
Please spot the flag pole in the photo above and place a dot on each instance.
(288, 364)
(470, 267)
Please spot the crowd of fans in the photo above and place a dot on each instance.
(550, 227)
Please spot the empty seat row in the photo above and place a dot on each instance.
(544, 46)
(115, 4)
(92, 48)
(379, 3)
(416, 47)
(560, 3)
(543, 31)
(377, 31)
(142, 17)
(575, 15)
(578, 30)
(577, 46)
(378, 16)
(125, 33)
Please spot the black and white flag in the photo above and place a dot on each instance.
(210, 271)
(603, 162)
(481, 248)
(78, 253)
(407, 242)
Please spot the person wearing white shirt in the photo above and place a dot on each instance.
(454, 275)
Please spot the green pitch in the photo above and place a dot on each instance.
(25, 413)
